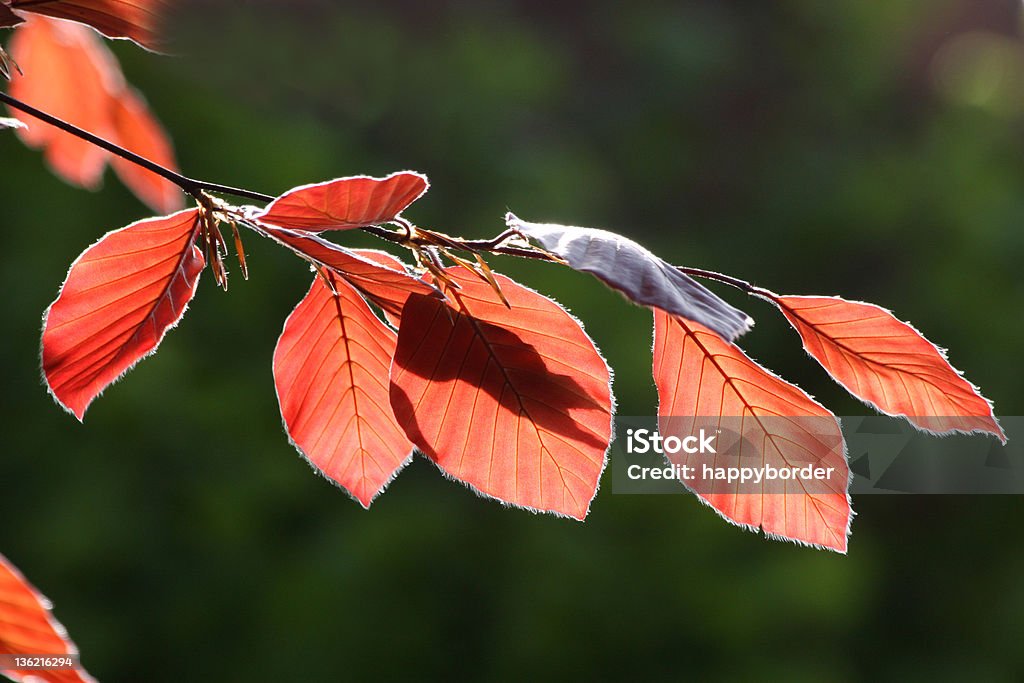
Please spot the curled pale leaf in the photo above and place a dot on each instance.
(641, 276)
(28, 627)
(514, 402)
(120, 298)
(137, 20)
(331, 370)
(345, 203)
(699, 375)
(888, 364)
(383, 284)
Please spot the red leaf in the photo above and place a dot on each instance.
(700, 375)
(514, 402)
(331, 373)
(888, 364)
(27, 627)
(140, 132)
(137, 20)
(382, 258)
(385, 259)
(345, 203)
(383, 285)
(69, 73)
(117, 303)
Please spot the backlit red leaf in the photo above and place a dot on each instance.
(382, 258)
(331, 370)
(345, 203)
(27, 627)
(699, 375)
(68, 72)
(384, 285)
(117, 303)
(888, 364)
(385, 259)
(514, 402)
(139, 131)
(138, 20)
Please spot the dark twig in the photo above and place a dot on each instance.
(188, 185)
(739, 284)
(195, 188)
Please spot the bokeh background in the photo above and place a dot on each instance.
(873, 149)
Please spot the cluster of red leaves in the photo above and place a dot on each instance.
(511, 398)
(877, 358)
(63, 68)
(701, 373)
(27, 627)
(66, 70)
(495, 383)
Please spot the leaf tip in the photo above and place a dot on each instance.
(75, 409)
(998, 431)
(746, 326)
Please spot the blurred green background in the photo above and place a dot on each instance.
(873, 149)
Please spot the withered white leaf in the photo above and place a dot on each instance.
(640, 275)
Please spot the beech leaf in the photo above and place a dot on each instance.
(385, 259)
(28, 627)
(515, 402)
(888, 364)
(138, 131)
(383, 284)
(137, 20)
(120, 298)
(382, 258)
(345, 203)
(641, 276)
(70, 73)
(331, 374)
(698, 375)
